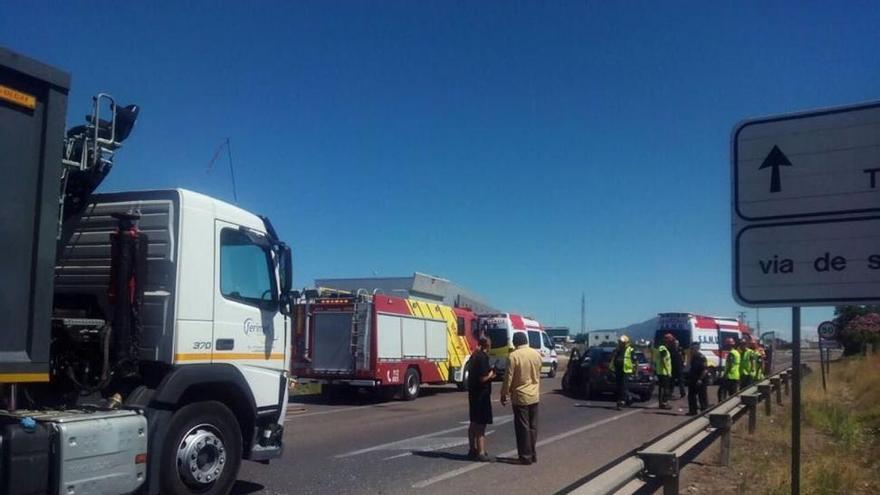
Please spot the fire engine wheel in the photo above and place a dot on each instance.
(411, 385)
(202, 452)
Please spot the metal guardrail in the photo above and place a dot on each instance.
(659, 462)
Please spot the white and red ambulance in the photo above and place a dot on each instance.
(500, 328)
(709, 331)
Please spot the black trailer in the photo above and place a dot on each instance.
(33, 105)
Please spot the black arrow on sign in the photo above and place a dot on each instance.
(775, 159)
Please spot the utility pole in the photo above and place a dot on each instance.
(758, 318)
(583, 313)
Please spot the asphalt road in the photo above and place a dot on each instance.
(367, 446)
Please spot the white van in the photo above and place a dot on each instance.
(500, 329)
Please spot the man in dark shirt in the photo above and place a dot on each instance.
(480, 375)
(697, 381)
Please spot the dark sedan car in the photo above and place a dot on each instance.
(588, 375)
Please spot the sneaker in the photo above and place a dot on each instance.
(691, 413)
(483, 458)
(525, 461)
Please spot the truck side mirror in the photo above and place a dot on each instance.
(286, 270)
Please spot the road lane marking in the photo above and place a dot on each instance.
(331, 411)
(540, 443)
(407, 442)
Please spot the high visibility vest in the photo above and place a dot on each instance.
(627, 360)
(662, 361)
(747, 363)
(732, 365)
(759, 366)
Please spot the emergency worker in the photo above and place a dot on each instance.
(663, 369)
(730, 383)
(623, 366)
(760, 362)
(746, 365)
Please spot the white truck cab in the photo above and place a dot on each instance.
(213, 340)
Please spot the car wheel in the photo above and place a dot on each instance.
(566, 382)
(202, 451)
(411, 385)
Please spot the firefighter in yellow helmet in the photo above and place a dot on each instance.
(623, 366)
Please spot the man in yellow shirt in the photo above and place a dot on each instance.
(522, 384)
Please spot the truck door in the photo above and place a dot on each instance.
(249, 331)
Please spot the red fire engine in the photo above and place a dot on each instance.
(388, 343)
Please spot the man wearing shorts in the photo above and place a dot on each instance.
(480, 375)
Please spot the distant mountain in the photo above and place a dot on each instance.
(643, 330)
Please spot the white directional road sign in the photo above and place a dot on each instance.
(806, 208)
(809, 164)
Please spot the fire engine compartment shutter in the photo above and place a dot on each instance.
(435, 340)
(332, 350)
(411, 338)
(389, 335)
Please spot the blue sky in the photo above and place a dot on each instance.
(528, 151)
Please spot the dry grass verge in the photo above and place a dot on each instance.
(840, 441)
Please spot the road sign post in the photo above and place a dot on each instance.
(806, 219)
(796, 400)
(827, 337)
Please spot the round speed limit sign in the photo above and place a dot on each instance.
(827, 330)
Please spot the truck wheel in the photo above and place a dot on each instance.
(465, 375)
(202, 451)
(411, 385)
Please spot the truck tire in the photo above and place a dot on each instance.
(202, 451)
(412, 383)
